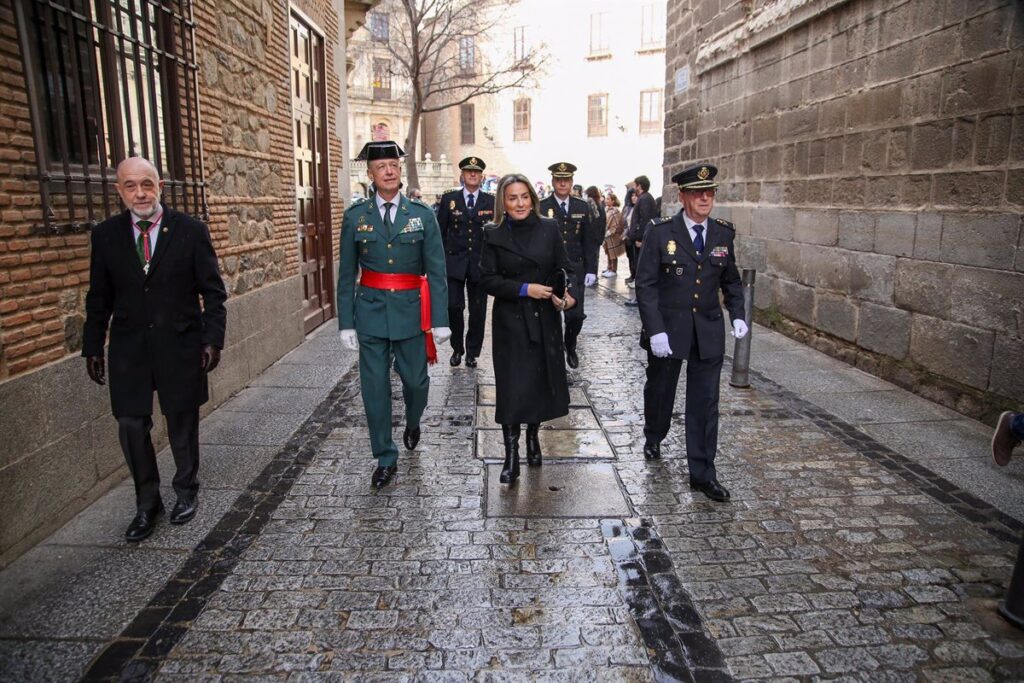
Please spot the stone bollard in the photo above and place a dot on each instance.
(741, 351)
(1012, 608)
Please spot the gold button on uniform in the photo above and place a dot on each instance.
(391, 260)
(696, 296)
(698, 281)
(389, 246)
(694, 309)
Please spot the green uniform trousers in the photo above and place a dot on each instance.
(375, 355)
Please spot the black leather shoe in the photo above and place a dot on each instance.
(632, 302)
(712, 489)
(455, 360)
(533, 454)
(143, 524)
(383, 475)
(470, 361)
(184, 510)
(572, 359)
(652, 451)
(411, 437)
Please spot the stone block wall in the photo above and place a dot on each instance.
(871, 154)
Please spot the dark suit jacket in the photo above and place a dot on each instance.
(462, 232)
(158, 327)
(678, 291)
(581, 244)
(645, 211)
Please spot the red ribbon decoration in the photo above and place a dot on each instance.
(404, 281)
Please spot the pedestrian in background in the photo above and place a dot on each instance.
(598, 216)
(614, 247)
(628, 206)
(1008, 435)
(684, 263)
(149, 268)
(525, 267)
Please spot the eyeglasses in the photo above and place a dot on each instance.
(701, 192)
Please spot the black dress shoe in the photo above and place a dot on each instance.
(383, 475)
(712, 489)
(411, 437)
(572, 359)
(652, 451)
(143, 524)
(455, 360)
(470, 361)
(184, 510)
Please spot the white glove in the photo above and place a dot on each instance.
(350, 340)
(739, 329)
(589, 280)
(659, 345)
(442, 334)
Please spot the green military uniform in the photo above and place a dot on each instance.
(388, 322)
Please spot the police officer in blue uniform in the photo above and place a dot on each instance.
(394, 245)
(581, 244)
(461, 215)
(684, 262)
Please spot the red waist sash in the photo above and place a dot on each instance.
(403, 281)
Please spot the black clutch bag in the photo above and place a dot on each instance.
(559, 282)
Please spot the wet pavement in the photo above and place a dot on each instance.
(869, 539)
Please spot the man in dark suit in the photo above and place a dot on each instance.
(581, 244)
(148, 269)
(683, 264)
(461, 216)
(644, 211)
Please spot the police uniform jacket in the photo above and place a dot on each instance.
(412, 246)
(528, 350)
(581, 244)
(677, 291)
(462, 232)
(157, 327)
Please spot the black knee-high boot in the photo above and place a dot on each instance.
(510, 470)
(533, 457)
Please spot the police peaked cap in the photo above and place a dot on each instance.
(697, 177)
(562, 169)
(380, 149)
(472, 164)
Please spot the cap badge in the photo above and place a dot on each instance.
(472, 161)
(703, 173)
(561, 166)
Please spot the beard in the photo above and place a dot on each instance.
(147, 213)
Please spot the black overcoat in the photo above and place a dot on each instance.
(526, 334)
(157, 327)
(678, 291)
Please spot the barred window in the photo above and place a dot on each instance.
(379, 26)
(109, 79)
(650, 112)
(381, 79)
(467, 55)
(467, 124)
(597, 115)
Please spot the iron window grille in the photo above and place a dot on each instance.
(109, 79)
(597, 115)
(521, 120)
(467, 124)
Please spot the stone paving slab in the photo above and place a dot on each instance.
(557, 491)
(285, 400)
(578, 418)
(486, 396)
(554, 444)
(249, 429)
(874, 407)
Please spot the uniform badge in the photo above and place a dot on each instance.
(551, 213)
(561, 166)
(451, 205)
(703, 173)
(472, 161)
(721, 252)
(671, 247)
(679, 271)
(414, 225)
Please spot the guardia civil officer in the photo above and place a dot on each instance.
(461, 216)
(684, 262)
(395, 246)
(581, 244)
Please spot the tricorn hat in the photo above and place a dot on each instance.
(380, 149)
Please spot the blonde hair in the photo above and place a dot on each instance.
(499, 204)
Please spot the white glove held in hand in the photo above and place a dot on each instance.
(739, 329)
(589, 280)
(350, 340)
(659, 345)
(442, 334)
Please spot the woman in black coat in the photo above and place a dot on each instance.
(524, 266)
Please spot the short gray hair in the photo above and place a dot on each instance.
(499, 195)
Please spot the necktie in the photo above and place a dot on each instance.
(565, 210)
(142, 243)
(387, 217)
(698, 243)
(470, 203)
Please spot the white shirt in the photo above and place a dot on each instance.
(567, 201)
(466, 194)
(693, 233)
(394, 205)
(154, 229)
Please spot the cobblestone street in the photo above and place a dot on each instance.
(868, 539)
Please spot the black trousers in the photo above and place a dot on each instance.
(137, 445)
(702, 394)
(575, 316)
(459, 291)
(631, 255)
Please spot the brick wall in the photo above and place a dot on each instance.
(872, 156)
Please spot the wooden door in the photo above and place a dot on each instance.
(312, 191)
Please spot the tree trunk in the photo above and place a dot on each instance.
(412, 175)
